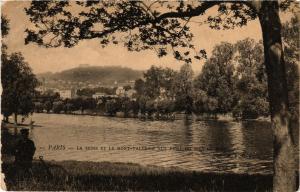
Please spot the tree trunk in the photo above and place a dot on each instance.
(16, 118)
(6, 119)
(284, 166)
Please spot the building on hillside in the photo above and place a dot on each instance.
(120, 91)
(98, 94)
(55, 90)
(130, 93)
(83, 65)
(67, 93)
(41, 89)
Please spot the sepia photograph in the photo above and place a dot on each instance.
(146, 95)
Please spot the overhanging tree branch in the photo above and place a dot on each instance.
(190, 13)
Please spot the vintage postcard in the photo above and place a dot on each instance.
(150, 95)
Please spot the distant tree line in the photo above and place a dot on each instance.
(89, 92)
(232, 81)
(52, 103)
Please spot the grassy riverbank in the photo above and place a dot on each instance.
(106, 176)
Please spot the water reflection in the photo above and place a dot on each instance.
(218, 137)
(258, 140)
(211, 146)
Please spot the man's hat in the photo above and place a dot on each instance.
(24, 131)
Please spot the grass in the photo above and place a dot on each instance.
(107, 176)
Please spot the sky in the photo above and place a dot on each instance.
(90, 52)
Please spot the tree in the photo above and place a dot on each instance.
(200, 99)
(149, 28)
(203, 103)
(251, 80)
(290, 34)
(38, 106)
(183, 87)
(89, 103)
(142, 103)
(165, 107)
(4, 60)
(86, 92)
(4, 26)
(158, 82)
(153, 81)
(18, 81)
(217, 77)
(5, 108)
(111, 107)
(19, 84)
(68, 107)
(134, 107)
(125, 105)
(150, 107)
(127, 87)
(139, 86)
(58, 106)
(48, 106)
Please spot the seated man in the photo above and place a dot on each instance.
(24, 152)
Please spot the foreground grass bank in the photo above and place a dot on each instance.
(106, 176)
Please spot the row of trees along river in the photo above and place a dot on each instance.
(232, 81)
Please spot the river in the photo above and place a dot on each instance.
(207, 146)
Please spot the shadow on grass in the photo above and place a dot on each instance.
(132, 178)
(8, 141)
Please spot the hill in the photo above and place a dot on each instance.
(94, 74)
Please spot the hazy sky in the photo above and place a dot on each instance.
(90, 51)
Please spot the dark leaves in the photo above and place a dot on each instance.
(4, 26)
(203, 54)
(162, 52)
(56, 24)
(32, 37)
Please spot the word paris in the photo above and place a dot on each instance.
(125, 148)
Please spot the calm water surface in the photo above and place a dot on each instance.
(207, 146)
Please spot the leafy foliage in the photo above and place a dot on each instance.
(290, 34)
(139, 86)
(18, 81)
(18, 84)
(4, 26)
(159, 25)
(183, 88)
(251, 78)
(217, 77)
(158, 80)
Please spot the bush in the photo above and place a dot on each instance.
(58, 106)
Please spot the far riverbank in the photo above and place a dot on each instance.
(170, 117)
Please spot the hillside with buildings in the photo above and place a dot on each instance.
(86, 76)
